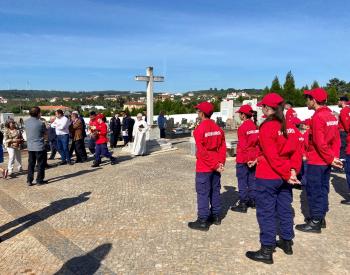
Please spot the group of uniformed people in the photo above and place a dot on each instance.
(281, 153)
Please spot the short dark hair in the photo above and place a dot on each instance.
(289, 103)
(322, 103)
(8, 123)
(344, 98)
(92, 113)
(59, 111)
(34, 112)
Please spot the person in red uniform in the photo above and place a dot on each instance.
(92, 127)
(304, 131)
(323, 152)
(290, 112)
(101, 132)
(278, 164)
(248, 135)
(211, 157)
(343, 125)
(346, 124)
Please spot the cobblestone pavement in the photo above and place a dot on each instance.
(132, 219)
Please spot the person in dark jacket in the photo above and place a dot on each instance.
(76, 130)
(52, 139)
(115, 127)
(161, 124)
(127, 128)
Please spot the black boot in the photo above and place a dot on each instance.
(241, 207)
(312, 226)
(113, 161)
(323, 222)
(215, 219)
(346, 202)
(202, 225)
(263, 255)
(95, 164)
(285, 245)
(251, 204)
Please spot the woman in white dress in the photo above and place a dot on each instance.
(139, 134)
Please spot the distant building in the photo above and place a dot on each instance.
(164, 97)
(54, 108)
(3, 100)
(134, 105)
(236, 95)
(54, 99)
(226, 108)
(90, 107)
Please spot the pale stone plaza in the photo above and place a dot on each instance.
(132, 218)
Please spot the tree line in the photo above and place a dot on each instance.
(335, 88)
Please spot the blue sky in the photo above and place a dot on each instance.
(195, 44)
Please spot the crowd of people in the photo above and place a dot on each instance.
(66, 134)
(272, 158)
(280, 154)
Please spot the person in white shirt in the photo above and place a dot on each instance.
(61, 125)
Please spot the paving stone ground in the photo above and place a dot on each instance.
(131, 218)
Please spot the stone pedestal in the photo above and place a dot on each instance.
(153, 141)
(153, 133)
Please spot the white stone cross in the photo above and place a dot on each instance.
(149, 78)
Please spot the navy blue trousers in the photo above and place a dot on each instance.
(274, 210)
(317, 189)
(343, 136)
(303, 173)
(208, 187)
(92, 145)
(102, 150)
(347, 169)
(246, 182)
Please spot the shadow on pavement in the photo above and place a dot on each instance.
(228, 199)
(87, 264)
(38, 216)
(75, 174)
(340, 186)
(119, 159)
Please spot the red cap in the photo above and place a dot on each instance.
(205, 107)
(101, 116)
(271, 100)
(318, 94)
(306, 121)
(245, 109)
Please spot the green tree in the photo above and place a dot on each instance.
(265, 91)
(332, 95)
(16, 109)
(276, 86)
(289, 88)
(315, 85)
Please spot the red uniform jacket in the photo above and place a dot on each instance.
(290, 114)
(324, 139)
(102, 133)
(211, 146)
(305, 142)
(93, 122)
(278, 154)
(344, 119)
(248, 139)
